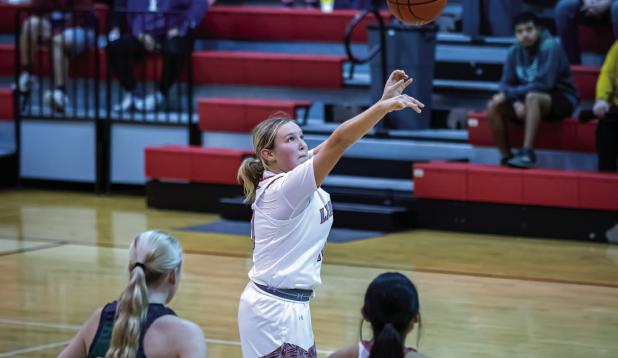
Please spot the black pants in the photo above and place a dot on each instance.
(124, 53)
(607, 143)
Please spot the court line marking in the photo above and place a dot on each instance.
(74, 327)
(351, 264)
(35, 248)
(34, 349)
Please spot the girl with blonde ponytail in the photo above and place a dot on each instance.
(292, 217)
(139, 324)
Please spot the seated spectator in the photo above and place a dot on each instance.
(536, 85)
(569, 13)
(69, 34)
(314, 4)
(606, 109)
(139, 324)
(150, 32)
(392, 308)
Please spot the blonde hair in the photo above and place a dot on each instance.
(158, 253)
(251, 169)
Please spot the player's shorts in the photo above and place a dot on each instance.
(274, 327)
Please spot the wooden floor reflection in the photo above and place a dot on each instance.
(63, 254)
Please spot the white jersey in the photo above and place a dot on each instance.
(287, 253)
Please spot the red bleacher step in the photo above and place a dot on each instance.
(268, 23)
(568, 134)
(241, 115)
(501, 185)
(6, 105)
(270, 69)
(194, 164)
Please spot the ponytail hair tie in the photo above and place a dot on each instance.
(139, 264)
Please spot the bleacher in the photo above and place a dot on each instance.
(250, 61)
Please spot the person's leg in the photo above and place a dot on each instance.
(537, 106)
(121, 56)
(607, 144)
(498, 113)
(566, 14)
(35, 30)
(174, 52)
(70, 43)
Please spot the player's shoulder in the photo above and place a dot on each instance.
(179, 325)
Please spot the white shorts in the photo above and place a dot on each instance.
(274, 327)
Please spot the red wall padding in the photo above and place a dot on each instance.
(6, 104)
(241, 115)
(440, 181)
(194, 164)
(569, 134)
(501, 185)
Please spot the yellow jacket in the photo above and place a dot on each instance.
(607, 84)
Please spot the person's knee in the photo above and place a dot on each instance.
(535, 98)
(566, 7)
(33, 26)
(59, 41)
(492, 106)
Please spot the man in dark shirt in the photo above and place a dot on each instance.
(536, 85)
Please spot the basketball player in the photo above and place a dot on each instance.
(292, 217)
(139, 324)
(392, 308)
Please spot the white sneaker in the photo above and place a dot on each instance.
(25, 82)
(151, 102)
(128, 103)
(57, 100)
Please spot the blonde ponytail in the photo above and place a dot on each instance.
(152, 254)
(249, 175)
(131, 312)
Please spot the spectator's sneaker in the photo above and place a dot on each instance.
(288, 4)
(127, 103)
(505, 160)
(57, 100)
(525, 159)
(151, 103)
(25, 82)
(312, 4)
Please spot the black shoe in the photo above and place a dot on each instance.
(524, 159)
(505, 160)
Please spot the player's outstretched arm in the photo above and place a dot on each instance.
(330, 151)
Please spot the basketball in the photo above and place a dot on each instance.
(416, 12)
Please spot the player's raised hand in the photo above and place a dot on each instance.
(403, 101)
(396, 83)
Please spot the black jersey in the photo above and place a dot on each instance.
(103, 337)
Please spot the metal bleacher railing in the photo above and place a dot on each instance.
(69, 75)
